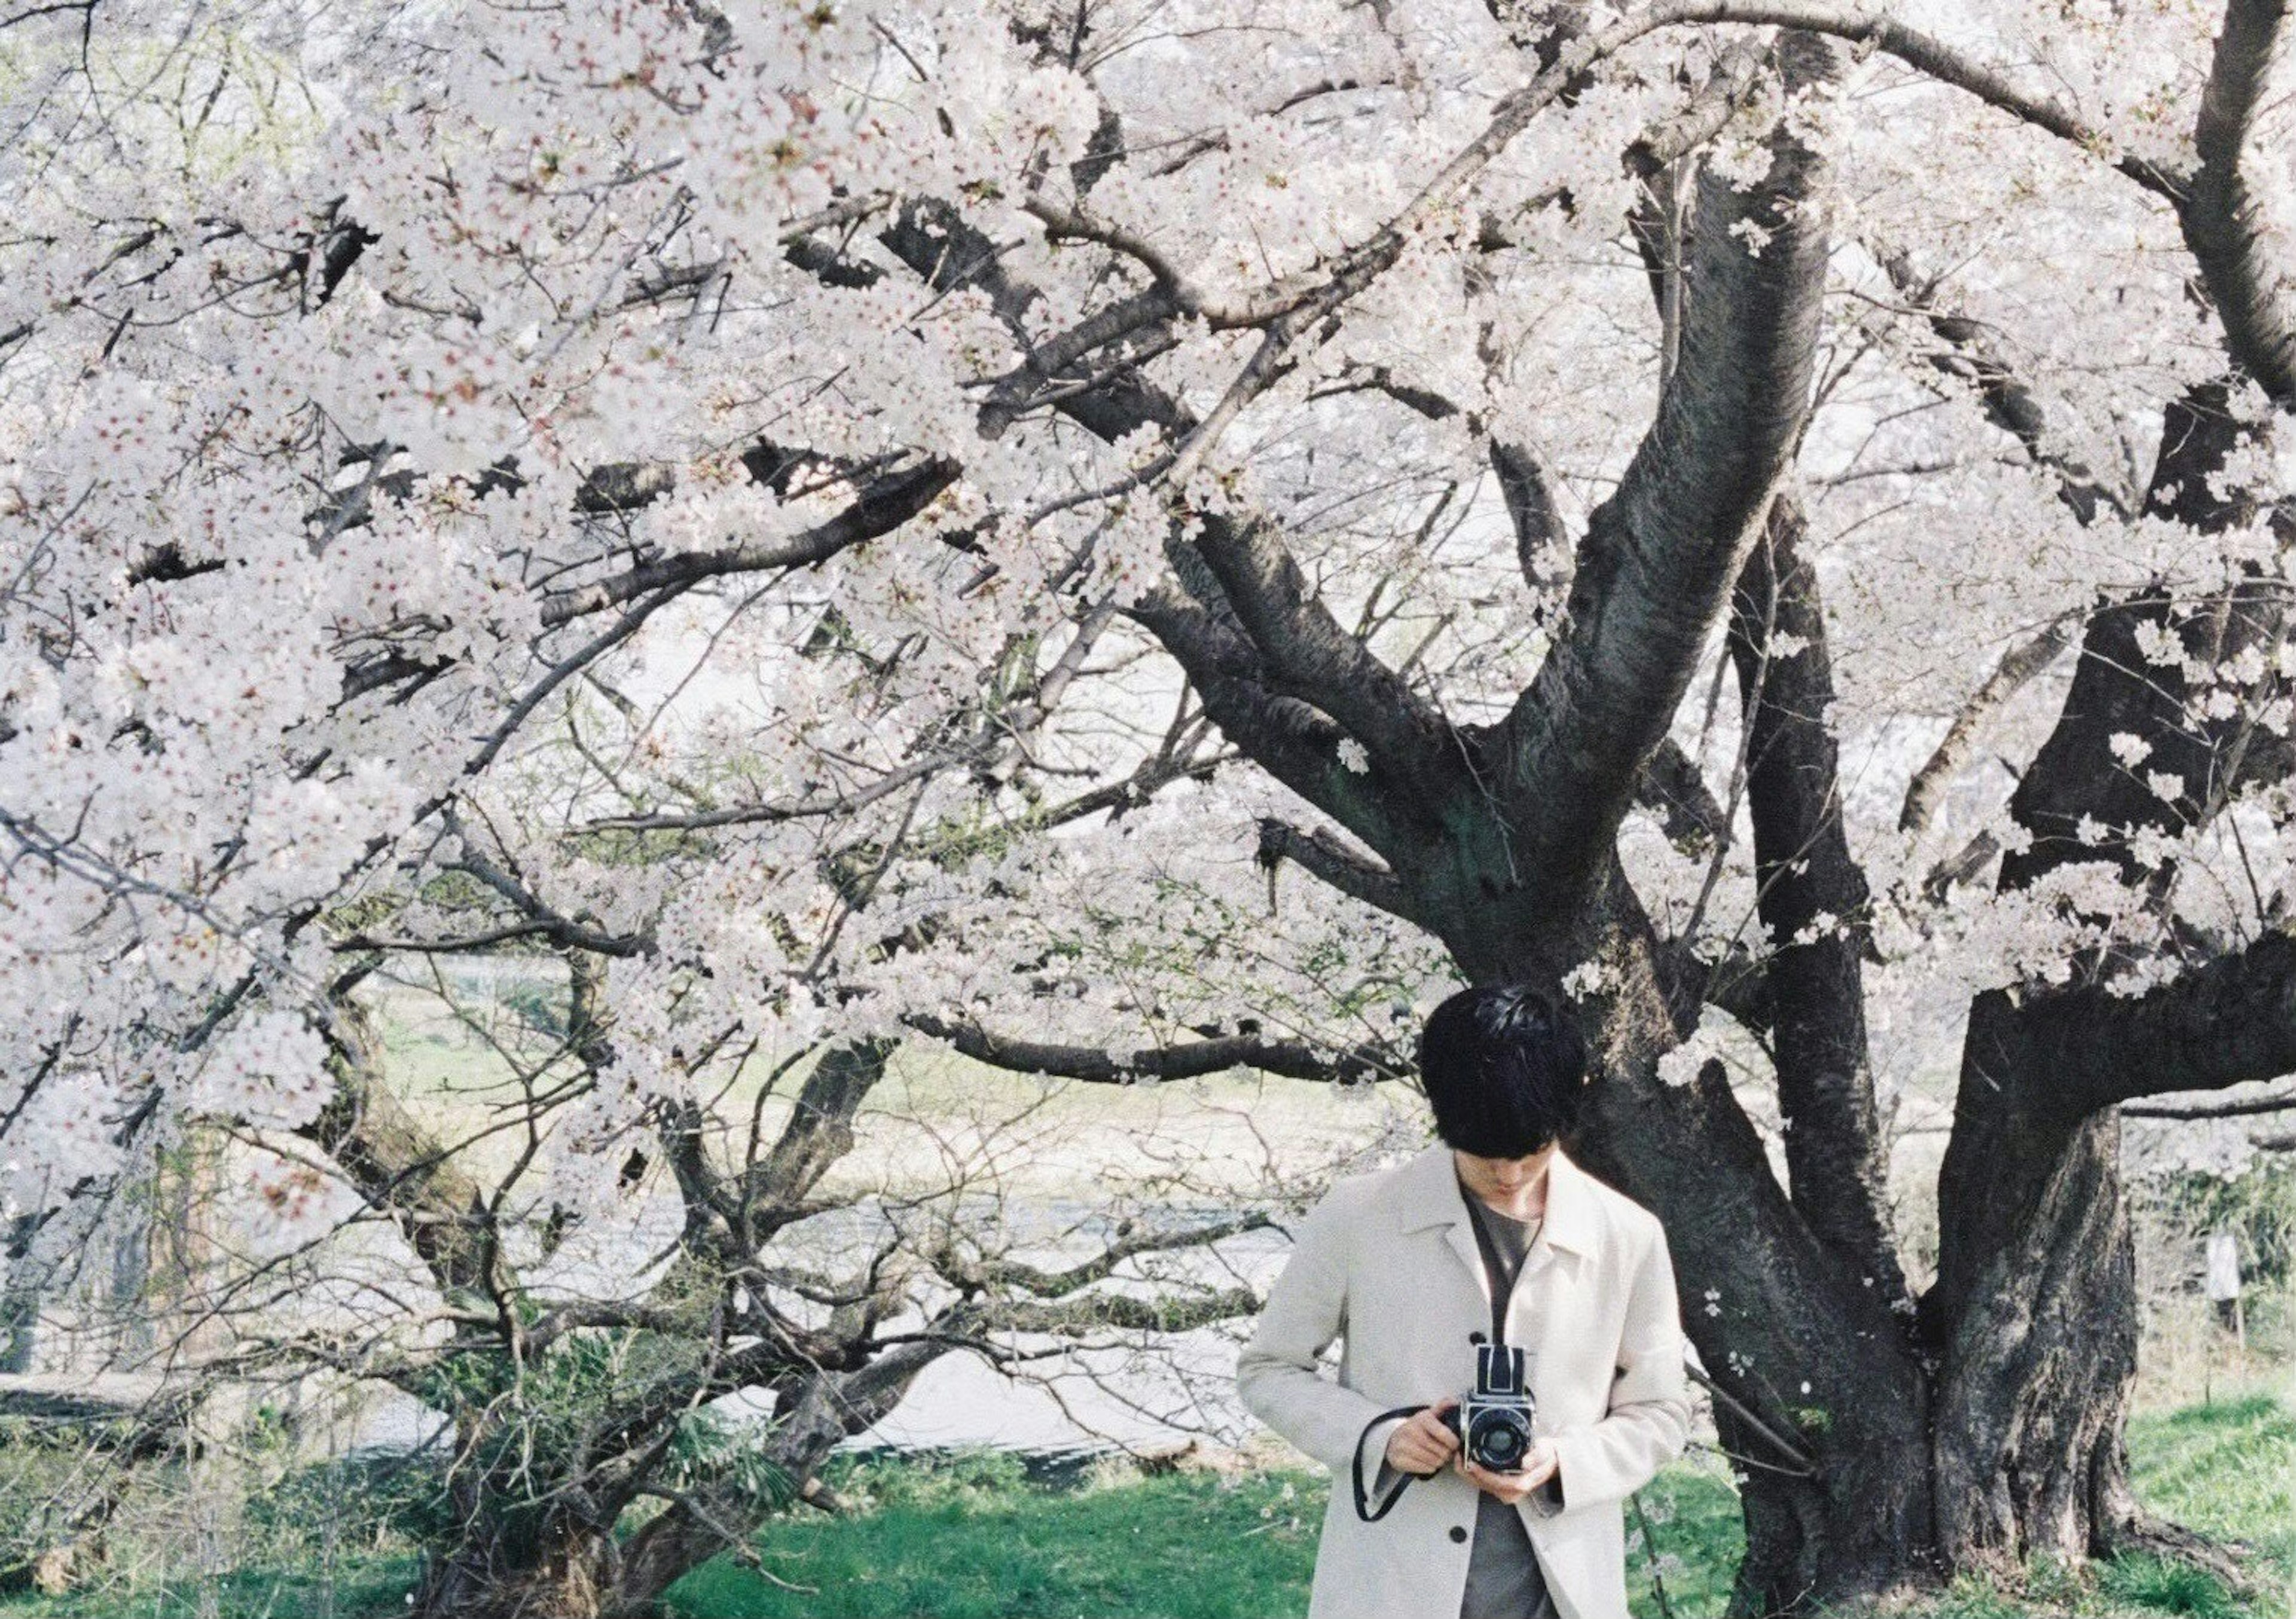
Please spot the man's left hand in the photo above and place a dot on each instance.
(1537, 1468)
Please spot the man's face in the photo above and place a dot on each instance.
(1502, 1177)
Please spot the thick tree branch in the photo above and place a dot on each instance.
(1727, 91)
(1660, 555)
(1526, 486)
(2221, 217)
(2229, 1021)
(1813, 899)
(1673, 790)
(1305, 654)
(2009, 401)
(2116, 690)
(1257, 641)
(881, 507)
(397, 1165)
(1320, 854)
(1658, 158)
(1927, 55)
(1294, 743)
(2019, 667)
(2240, 1110)
(817, 1411)
(818, 1134)
(1189, 1060)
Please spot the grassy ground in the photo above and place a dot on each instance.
(1185, 1546)
(1188, 1543)
(972, 1539)
(1205, 1547)
(370, 1588)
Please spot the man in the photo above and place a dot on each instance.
(1394, 1262)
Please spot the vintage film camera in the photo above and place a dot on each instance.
(1493, 1423)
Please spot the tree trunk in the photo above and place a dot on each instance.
(2034, 1314)
(814, 1417)
(1862, 1524)
(508, 1569)
(2035, 1309)
(1824, 1400)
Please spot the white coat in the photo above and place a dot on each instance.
(1389, 1263)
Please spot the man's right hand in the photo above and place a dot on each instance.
(1422, 1444)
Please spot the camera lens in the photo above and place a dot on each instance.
(1499, 1440)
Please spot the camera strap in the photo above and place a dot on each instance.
(1498, 1278)
(1364, 1509)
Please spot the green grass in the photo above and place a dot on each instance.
(2227, 1468)
(371, 1587)
(1192, 1545)
(969, 1537)
(1695, 1541)
(1189, 1543)
(2161, 1586)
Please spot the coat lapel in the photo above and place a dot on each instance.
(1546, 1309)
(1427, 1196)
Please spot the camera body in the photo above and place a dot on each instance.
(1493, 1423)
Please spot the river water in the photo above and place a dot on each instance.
(1152, 1395)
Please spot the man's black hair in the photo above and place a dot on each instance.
(1503, 1069)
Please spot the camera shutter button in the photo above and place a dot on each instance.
(1458, 1533)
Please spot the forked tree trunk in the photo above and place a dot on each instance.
(2036, 1310)
(2034, 1314)
(1824, 1401)
(1867, 1462)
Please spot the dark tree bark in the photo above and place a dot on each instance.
(1661, 555)
(1823, 1395)
(1812, 896)
(818, 1413)
(2036, 1311)
(1862, 1523)
(2035, 1306)
(502, 1569)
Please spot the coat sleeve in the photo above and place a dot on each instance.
(1278, 1374)
(1648, 1421)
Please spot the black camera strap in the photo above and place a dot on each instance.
(1499, 1276)
(1363, 1497)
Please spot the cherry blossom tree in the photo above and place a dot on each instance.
(901, 523)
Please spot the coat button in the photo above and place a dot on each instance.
(1458, 1533)
(1474, 1337)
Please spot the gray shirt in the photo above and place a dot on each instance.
(1504, 1580)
